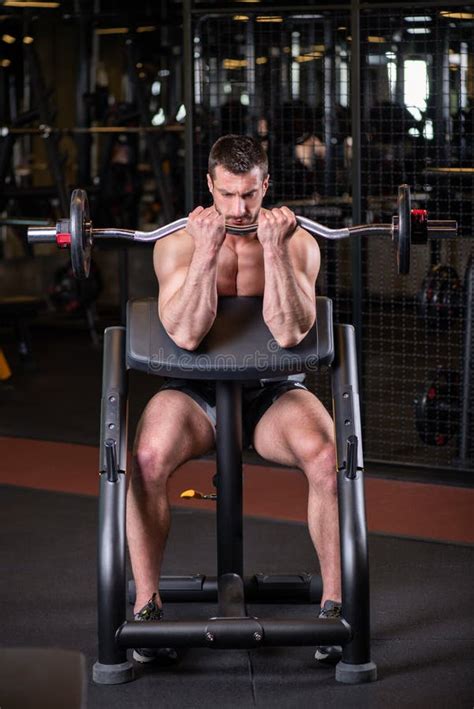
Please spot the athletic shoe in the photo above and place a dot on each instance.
(161, 655)
(329, 654)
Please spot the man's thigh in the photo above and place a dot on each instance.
(174, 427)
(295, 423)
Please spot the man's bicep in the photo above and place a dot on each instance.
(307, 262)
(171, 262)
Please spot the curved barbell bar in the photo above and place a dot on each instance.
(436, 228)
(77, 232)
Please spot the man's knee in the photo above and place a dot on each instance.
(315, 450)
(152, 463)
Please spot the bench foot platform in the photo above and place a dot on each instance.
(112, 674)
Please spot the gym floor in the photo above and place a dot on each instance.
(420, 551)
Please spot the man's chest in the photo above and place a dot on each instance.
(241, 272)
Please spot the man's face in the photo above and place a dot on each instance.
(238, 197)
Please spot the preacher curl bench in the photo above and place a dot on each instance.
(239, 347)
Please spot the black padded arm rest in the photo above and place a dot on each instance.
(239, 345)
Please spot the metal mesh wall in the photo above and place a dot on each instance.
(417, 75)
(286, 79)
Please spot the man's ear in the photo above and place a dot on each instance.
(210, 183)
(265, 184)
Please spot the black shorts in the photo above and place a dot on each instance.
(256, 399)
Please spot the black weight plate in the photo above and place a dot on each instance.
(437, 408)
(70, 295)
(440, 298)
(81, 241)
(403, 241)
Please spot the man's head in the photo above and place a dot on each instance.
(238, 177)
(237, 154)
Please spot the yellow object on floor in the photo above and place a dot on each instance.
(5, 371)
(196, 495)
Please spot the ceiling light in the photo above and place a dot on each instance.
(457, 15)
(29, 3)
(234, 63)
(308, 57)
(8, 38)
(418, 30)
(269, 18)
(111, 30)
(418, 18)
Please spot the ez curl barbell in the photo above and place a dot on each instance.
(409, 226)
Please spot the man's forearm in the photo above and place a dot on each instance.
(190, 313)
(287, 310)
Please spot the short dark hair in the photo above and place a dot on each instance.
(237, 154)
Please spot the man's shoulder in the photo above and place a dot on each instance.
(172, 253)
(305, 251)
(178, 241)
(303, 240)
